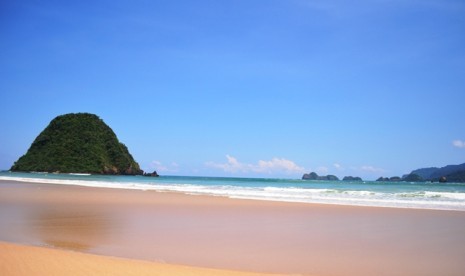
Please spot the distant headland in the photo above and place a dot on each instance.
(78, 143)
(330, 177)
(450, 173)
(315, 176)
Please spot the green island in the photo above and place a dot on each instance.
(78, 143)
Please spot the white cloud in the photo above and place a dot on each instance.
(338, 166)
(459, 144)
(278, 164)
(155, 164)
(371, 169)
(160, 167)
(232, 165)
(275, 165)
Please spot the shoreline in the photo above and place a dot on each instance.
(292, 195)
(233, 234)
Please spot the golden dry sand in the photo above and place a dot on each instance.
(20, 260)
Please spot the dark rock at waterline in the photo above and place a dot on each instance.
(153, 174)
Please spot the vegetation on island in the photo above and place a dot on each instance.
(78, 143)
(452, 173)
(449, 173)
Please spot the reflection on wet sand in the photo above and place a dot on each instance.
(74, 229)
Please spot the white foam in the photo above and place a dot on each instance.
(460, 196)
(419, 200)
(86, 183)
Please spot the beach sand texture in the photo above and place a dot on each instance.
(20, 260)
(222, 233)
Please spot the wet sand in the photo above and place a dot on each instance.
(232, 234)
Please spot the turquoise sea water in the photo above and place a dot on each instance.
(441, 196)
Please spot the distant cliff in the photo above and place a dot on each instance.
(78, 143)
(315, 176)
(450, 173)
(352, 178)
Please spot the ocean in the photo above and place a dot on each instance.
(425, 195)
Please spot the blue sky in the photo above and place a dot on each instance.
(243, 88)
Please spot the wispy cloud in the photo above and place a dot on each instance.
(160, 167)
(275, 165)
(232, 165)
(338, 167)
(371, 169)
(459, 144)
(278, 164)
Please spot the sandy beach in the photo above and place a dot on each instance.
(101, 228)
(29, 260)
